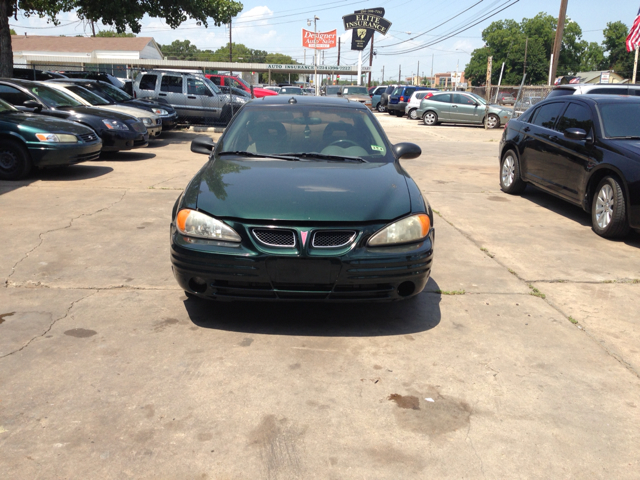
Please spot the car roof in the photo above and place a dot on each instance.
(593, 99)
(310, 100)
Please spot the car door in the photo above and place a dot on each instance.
(464, 109)
(202, 102)
(172, 91)
(539, 148)
(575, 157)
(442, 106)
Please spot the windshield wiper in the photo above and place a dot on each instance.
(261, 155)
(630, 137)
(324, 156)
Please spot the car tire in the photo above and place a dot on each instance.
(380, 108)
(609, 210)
(493, 121)
(510, 180)
(15, 161)
(400, 114)
(430, 118)
(413, 114)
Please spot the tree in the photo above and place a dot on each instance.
(120, 14)
(113, 33)
(617, 59)
(180, 50)
(12, 32)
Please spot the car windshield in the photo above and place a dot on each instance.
(54, 98)
(355, 91)
(113, 92)
(5, 107)
(212, 85)
(306, 129)
(291, 91)
(478, 98)
(242, 81)
(332, 90)
(620, 120)
(85, 94)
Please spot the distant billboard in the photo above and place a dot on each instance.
(320, 40)
(363, 24)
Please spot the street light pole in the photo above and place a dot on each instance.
(315, 53)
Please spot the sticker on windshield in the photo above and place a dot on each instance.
(376, 147)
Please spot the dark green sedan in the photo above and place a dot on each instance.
(30, 140)
(303, 198)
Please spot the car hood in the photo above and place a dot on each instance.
(134, 112)
(358, 98)
(144, 103)
(301, 191)
(43, 123)
(94, 111)
(631, 147)
(263, 91)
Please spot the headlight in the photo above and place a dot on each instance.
(409, 229)
(115, 125)
(159, 111)
(196, 224)
(146, 121)
(56, 138)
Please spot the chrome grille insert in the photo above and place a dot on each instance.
(333, 238)
(88, 137)
(275, 237)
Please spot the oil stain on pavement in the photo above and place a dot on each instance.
(4, 315)
(80, 333)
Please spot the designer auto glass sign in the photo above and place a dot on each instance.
(322, 40)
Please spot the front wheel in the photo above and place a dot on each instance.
(609, 210)
(413, 114)
(492, 121)
(15, 162)
(430, 118)
(510, 181)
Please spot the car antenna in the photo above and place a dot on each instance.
(293, 100)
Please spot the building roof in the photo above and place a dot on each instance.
(45, 43)
(594, 76)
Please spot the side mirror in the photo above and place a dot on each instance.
(339, 93)
(202, 144)
(406, 151)
(575, 134)
(33, 104)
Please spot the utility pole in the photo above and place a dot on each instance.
(339, 40)
(557, 44)
(399, 72)
(432, 57)
(526, 45)
(418, 72)
(230, 43)
(93, 29)
(371, 59)
(488, 91)
(383, 74)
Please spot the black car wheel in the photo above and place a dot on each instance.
(380, 108)
(430, 118)
(492, 121)
(15, 162)
(413, 114)
(510, 181)
(608, 209)
(400, 114)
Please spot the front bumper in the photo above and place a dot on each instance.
(51, 155)
(244, 272)
(154, 131)
(115, 140)
(169, 122)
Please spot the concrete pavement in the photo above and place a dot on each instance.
(109, 371)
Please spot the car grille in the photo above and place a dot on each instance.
(333, 239)
(139, 127)
(88, 137)
(275, 237)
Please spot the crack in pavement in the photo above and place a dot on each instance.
(31, 286)
(41, 236)
(592, 337)
(50, 326)
(153, 187)
(468, 438)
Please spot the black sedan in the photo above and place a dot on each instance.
(584, 149)
(117, 96)
(117, 131)
(303, 198)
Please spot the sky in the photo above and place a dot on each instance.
(276, 26)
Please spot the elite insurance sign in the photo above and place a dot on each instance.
(364, 23)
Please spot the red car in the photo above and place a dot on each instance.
(229, 81)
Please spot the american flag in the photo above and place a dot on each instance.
(633, 39)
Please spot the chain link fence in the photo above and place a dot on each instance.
(521, 99)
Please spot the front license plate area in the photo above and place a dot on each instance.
(293, 271)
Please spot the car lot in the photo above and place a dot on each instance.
(109, 371)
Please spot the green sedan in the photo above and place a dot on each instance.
(461, 107)
(29, 140)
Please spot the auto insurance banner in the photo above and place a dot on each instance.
(320, 40)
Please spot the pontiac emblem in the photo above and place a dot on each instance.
(304, 237)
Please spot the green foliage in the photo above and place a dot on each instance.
(506, 41)
(618, 59)
(112, 33)
(12, 32)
